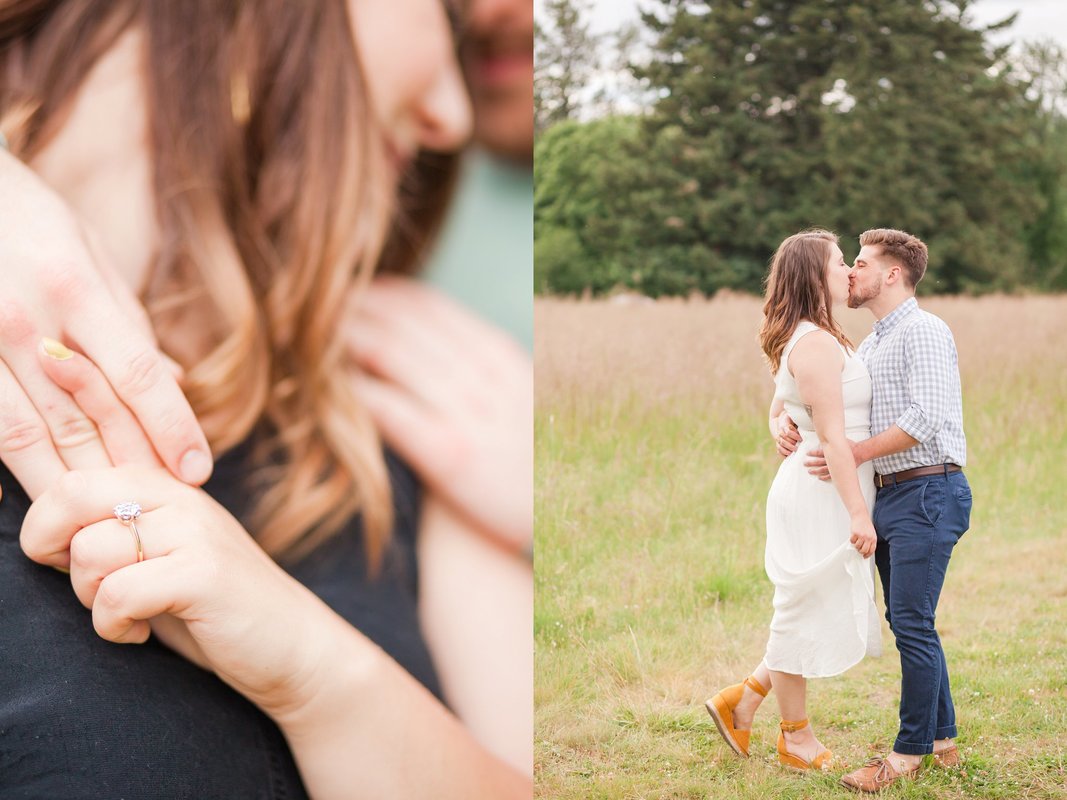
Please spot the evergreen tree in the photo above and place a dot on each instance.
(777, 115)
(846, 115)
(565, 59)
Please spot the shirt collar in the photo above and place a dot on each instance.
(889, 321)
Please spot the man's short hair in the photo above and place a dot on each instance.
(900, 246)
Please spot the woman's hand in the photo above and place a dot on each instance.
(205, 588)
(454, 397)
(55, 283)
(786, 435)
(863, 536)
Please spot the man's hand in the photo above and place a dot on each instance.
(816, 461)
(786, 435)
(454, 397)
(56, 286)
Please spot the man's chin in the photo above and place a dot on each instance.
(855, 302)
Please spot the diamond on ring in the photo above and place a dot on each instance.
(127, 511)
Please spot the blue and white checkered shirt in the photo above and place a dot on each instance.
(915, 374)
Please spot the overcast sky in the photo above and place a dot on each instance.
(1038, 19)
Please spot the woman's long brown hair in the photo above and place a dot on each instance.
(273, 204)
(797, 290)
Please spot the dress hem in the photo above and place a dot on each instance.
(811, 675)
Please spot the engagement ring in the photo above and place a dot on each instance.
(127, 514)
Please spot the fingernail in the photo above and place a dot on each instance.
(195, 467)
(56, 350)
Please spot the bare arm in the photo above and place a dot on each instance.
(376, 728)
(476, 609)
(372, 730)
(777, 407)
(892, 440)
(816, 363)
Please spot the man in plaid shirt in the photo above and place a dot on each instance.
(923, 502)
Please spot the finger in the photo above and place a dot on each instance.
(80, 498)
(408, 358)
(395, 296)
(25, 444)
(144, 382)
(104, 547)
(124, 297)
(124, 439)
(407, 426)
(74, 436)
(131, 596)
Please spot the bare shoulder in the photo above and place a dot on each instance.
(816, 352)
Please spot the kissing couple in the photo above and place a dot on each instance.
(874, 449)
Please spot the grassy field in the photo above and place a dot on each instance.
(653, 463)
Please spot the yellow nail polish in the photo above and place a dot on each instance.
(56, 350)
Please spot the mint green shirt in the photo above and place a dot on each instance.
(484, 258)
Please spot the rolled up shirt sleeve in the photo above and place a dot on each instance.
(932, 376)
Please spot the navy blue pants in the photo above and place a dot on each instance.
(918, 523)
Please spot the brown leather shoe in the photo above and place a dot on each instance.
(949, 757)
(875, 776)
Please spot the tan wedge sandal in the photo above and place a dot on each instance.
(787, 759)
(721, 707)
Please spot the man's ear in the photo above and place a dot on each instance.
(894, 275)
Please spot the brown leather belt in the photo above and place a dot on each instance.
(893, 478)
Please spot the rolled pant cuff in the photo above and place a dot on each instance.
(913, 749)
(948, 732)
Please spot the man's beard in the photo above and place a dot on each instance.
(857, 299)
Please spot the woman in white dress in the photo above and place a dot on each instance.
(819, 535)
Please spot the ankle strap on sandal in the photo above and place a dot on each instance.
(755, 686)
(792, 727)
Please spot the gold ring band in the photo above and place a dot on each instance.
(136, 539)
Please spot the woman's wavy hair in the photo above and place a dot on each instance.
(274, 203)
(796, 289)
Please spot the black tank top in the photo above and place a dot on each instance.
(84, 718)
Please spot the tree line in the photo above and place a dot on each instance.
(770, 116)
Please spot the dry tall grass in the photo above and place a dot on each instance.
(656, 353)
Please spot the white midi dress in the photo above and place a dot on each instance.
(825, 619)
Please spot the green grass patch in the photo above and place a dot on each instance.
(651, 595)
